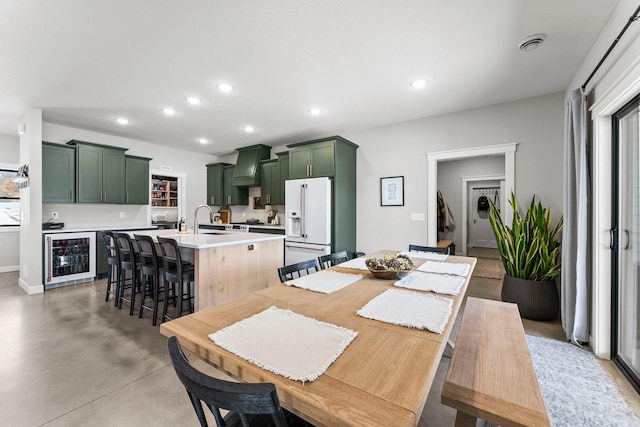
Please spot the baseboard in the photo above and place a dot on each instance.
(30, 290)
(9, 268)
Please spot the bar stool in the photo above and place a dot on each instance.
(113, 265)
(150, 274)
(128, 262)
(176, 275)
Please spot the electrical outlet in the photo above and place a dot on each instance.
(54, 215)
(417, 217)
(121, 214)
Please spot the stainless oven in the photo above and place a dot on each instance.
(69, 258)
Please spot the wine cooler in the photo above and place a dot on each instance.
(69, 258)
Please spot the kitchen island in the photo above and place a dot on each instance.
(228, 265)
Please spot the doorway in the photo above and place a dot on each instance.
(174, 194)
(506, 150)
(625, 240)
(479, 232)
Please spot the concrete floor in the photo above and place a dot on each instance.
(71, 359)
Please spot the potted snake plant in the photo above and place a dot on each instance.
(530, 254)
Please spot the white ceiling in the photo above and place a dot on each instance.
(85, 62)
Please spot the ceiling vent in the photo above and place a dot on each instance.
(531, 42)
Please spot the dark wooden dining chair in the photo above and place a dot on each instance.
(254, 404)
(289, 272)
(330, 260)
(416, 248)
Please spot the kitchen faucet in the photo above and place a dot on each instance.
(195, 217)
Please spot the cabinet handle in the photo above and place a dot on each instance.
(229, 199)
(212, 199)
(307, 170)
(127, 197)
(70, 194)
(105, 196)
(101, 197)
(310, 170)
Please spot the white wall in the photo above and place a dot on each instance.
(536, 124)
(79, 215)
(9, 237)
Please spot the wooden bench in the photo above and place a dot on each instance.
(491, 375)
(448, 244)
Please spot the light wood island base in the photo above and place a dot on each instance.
(224, 273)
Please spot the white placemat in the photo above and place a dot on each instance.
(286, 343)
(411, 309)
(431, 282)
(457, 268)
(424, 255)
(356, 263)
(325, 281)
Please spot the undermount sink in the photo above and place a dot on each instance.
(213, 232)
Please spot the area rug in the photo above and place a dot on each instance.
(576, 389)
(488, 268)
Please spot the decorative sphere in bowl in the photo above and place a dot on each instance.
(390, 267)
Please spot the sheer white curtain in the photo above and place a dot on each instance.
(575, 275)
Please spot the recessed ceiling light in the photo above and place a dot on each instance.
(225, 87)
(248, 129)
(314, 111)
(193, 100)
(203, 140)
(418, 84)
(169, 111)
(121, 121)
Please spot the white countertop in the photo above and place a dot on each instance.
(265, 226)
(204, 240)
(85, 229)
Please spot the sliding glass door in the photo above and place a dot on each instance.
(625, 241)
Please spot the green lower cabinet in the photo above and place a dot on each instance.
(58, 173)
(233, 195)
(136, 180)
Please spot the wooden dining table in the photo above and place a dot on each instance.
(382, 378)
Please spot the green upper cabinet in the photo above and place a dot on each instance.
(58, 173)
(100, 173)
(283, 175)
(247, 169)
(136, 180)
(312, 159)
(274, 173)
(215, 187)
(233, 195)
(269, 181)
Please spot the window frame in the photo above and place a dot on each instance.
(10, 167)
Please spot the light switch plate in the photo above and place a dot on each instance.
(417, 216)
(121, 214)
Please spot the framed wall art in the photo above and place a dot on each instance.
(392, 191)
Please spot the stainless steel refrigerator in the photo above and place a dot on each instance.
(308, 219)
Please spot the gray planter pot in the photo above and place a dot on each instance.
(536, 300)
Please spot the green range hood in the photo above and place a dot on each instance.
(247, 170)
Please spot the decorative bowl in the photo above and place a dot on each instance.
(390, 267)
